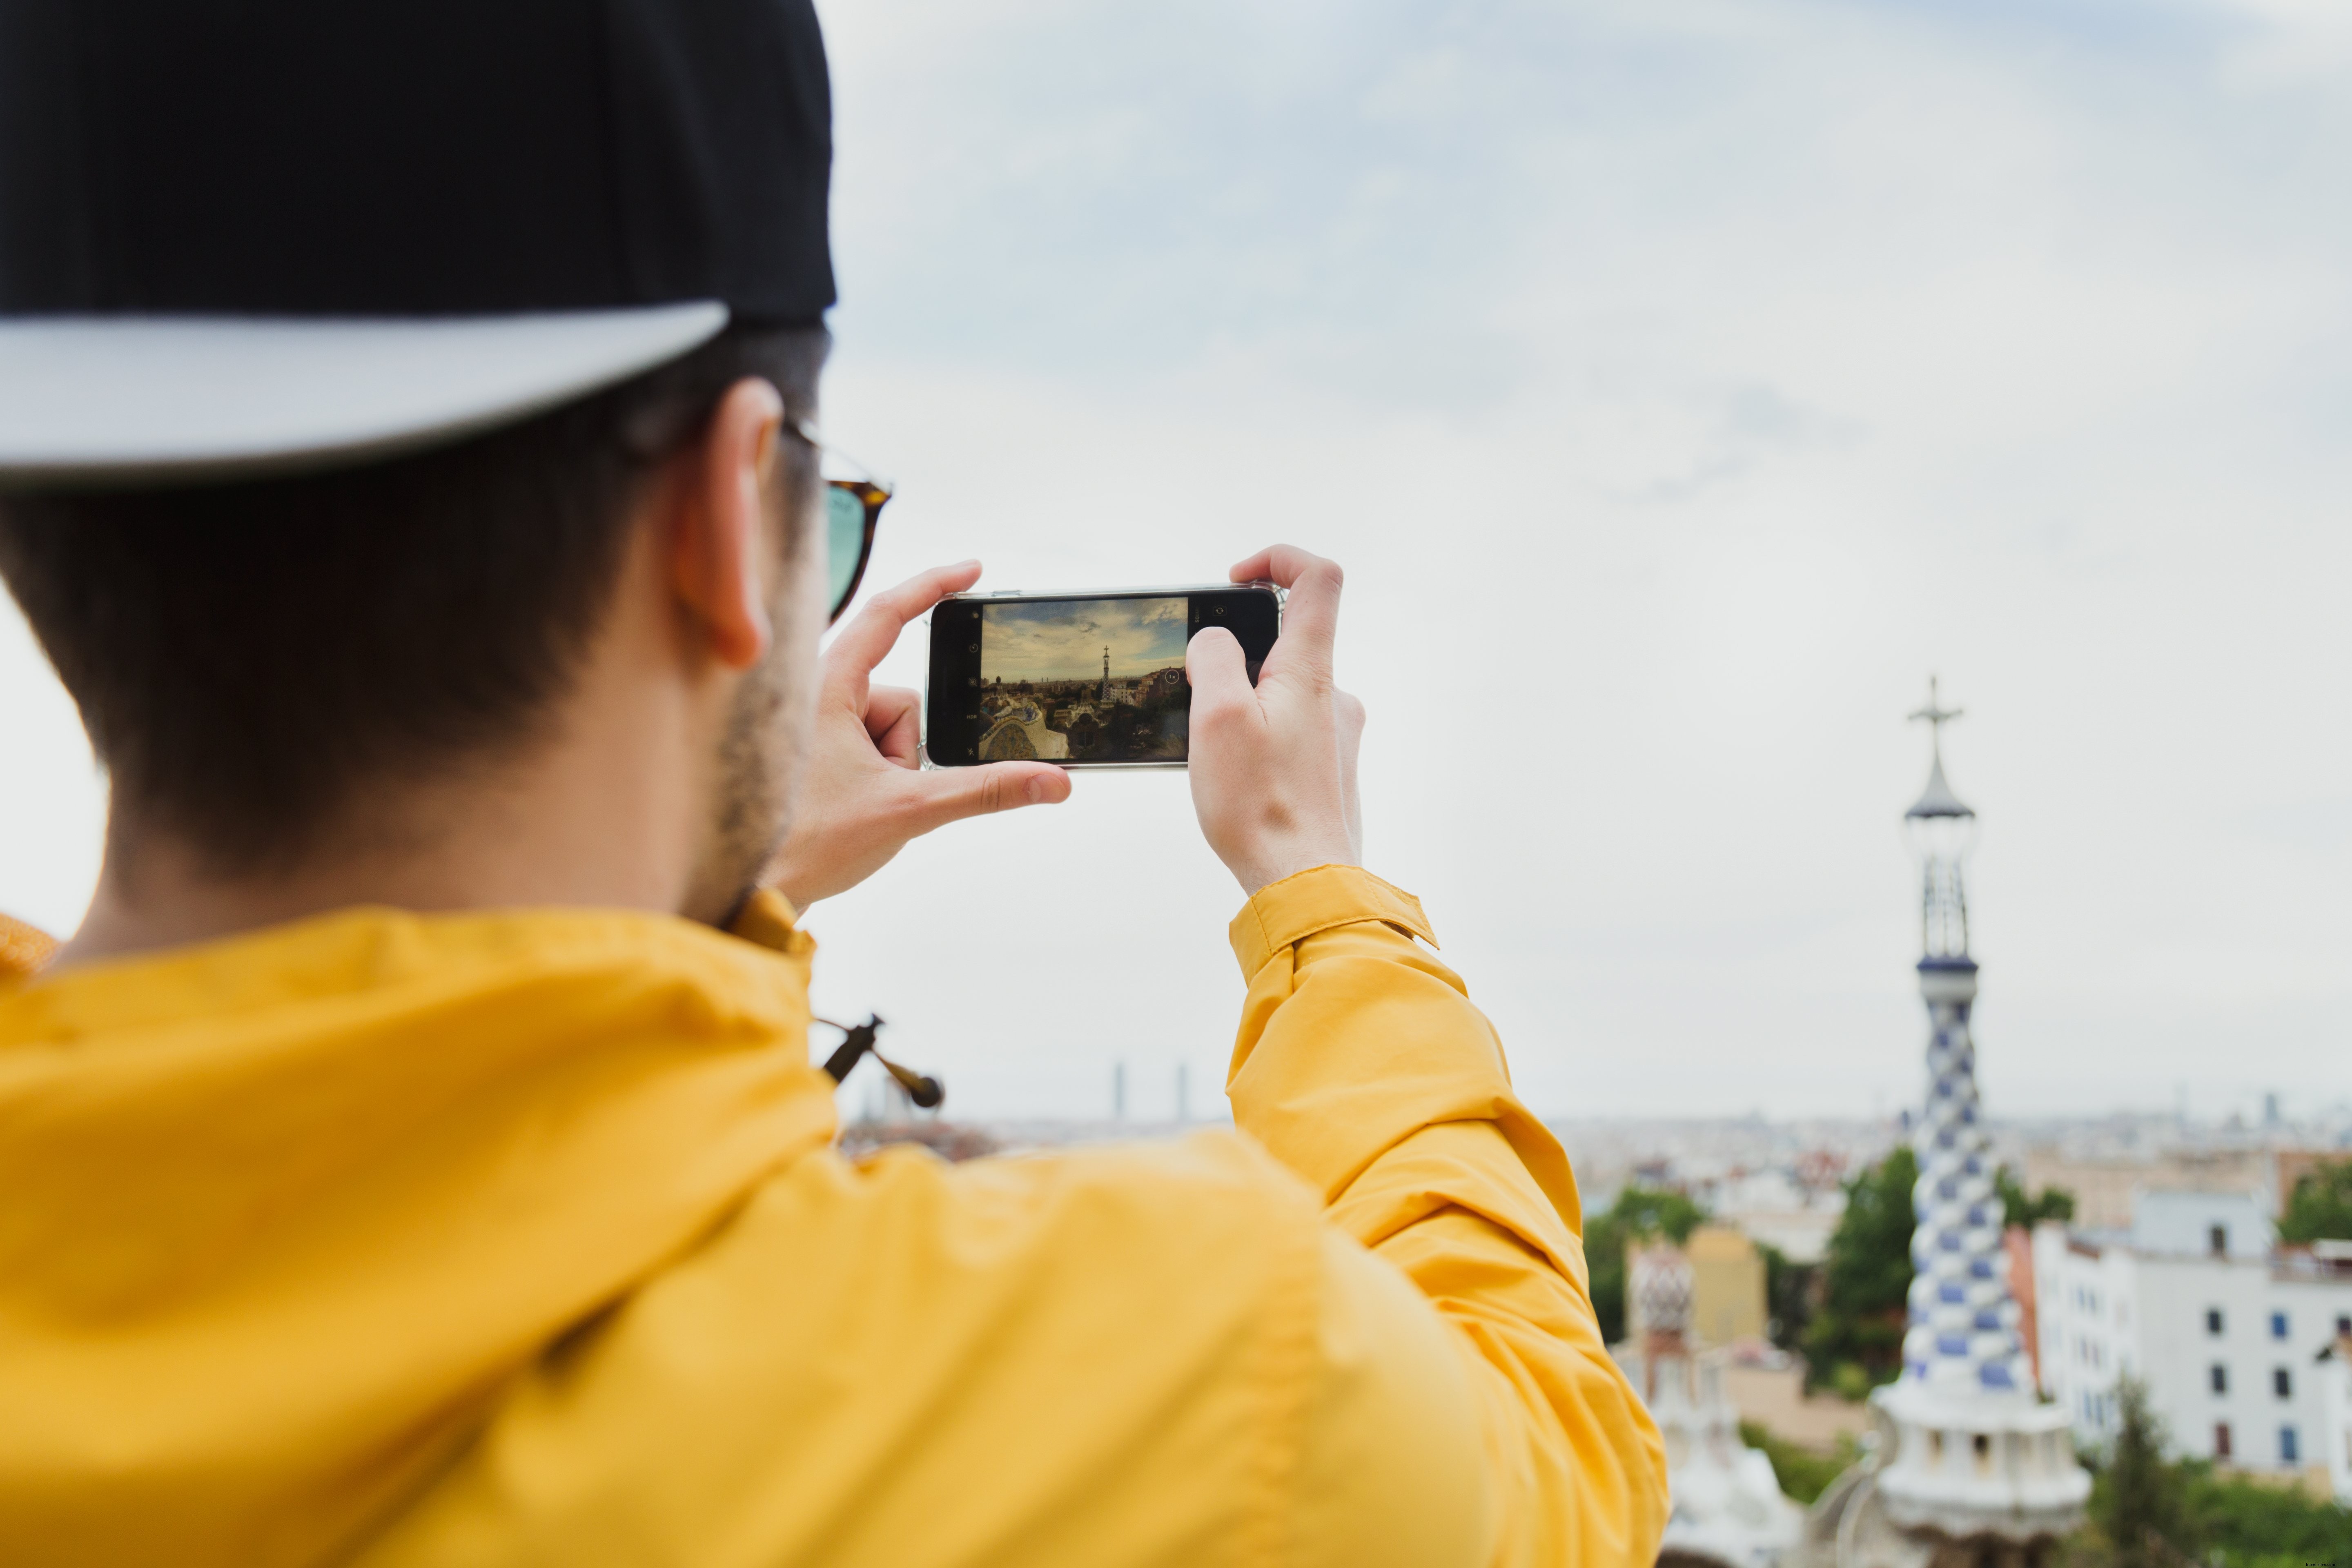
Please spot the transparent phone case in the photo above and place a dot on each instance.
(1281, 600)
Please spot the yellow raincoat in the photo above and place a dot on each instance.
(517, 1237)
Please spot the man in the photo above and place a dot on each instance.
(415, 1158)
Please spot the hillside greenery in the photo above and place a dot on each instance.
(2051, 1203)
(2148, 1510)
(2320, 1207)
(1854, 1341)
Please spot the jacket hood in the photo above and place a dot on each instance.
(283, 1213)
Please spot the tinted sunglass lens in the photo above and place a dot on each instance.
(845, 540)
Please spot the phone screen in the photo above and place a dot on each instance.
(1094, 681)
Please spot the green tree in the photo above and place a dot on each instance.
(1789, 1287)
(1638, 1214)
(2247, 1524)
(1855, 1338)
(2054, 1203)
(2320, 1207)
(2139, 1501)
(2148, 1512)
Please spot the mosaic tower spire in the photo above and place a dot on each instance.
(1963, 1318)
(1977, 1453)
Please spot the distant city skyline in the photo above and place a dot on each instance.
(1065, 640)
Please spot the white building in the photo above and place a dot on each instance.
(1773, 1210)
(2226, 1329)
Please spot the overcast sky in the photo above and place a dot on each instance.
(1680, 383)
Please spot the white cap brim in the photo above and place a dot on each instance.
(119, 400)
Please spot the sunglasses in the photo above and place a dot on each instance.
(852, 509)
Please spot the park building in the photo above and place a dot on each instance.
(2239, 1340)
(1726, 1507)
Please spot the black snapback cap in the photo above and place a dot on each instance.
(245, 235)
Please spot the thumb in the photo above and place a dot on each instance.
(950, 795)
(1220, 675)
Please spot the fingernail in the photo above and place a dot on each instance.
(1037, 791)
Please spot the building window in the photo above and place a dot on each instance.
(2213, 1321)
(2220, 1378)
(2289, 1452)
(2217, 1240)
(2282, 1382)
(2278, 1325)
(2220, 1439)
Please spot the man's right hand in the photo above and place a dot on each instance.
(1274, 767)
(864, 796)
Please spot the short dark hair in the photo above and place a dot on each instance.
(249, 656)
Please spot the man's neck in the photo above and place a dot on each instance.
(590, 821)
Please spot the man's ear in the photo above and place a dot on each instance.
(720, 555)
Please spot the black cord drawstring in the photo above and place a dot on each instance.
(926, 1093)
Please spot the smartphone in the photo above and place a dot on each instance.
(1085, 680)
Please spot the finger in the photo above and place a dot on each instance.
(1220, 679)
(1310, 618)
(884, 704)
(894, 723)
(952, 794)
(873, 630)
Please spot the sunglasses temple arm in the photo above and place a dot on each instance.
(806, 430)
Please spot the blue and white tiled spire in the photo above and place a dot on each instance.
(1976, 1451)
(1964, 1322)
(1963, 1332)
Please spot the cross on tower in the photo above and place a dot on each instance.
(1937, 718)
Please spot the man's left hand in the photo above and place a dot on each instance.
(863, 794)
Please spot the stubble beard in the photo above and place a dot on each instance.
(751, 810)
(767, 724)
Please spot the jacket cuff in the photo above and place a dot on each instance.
(1296, 908)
